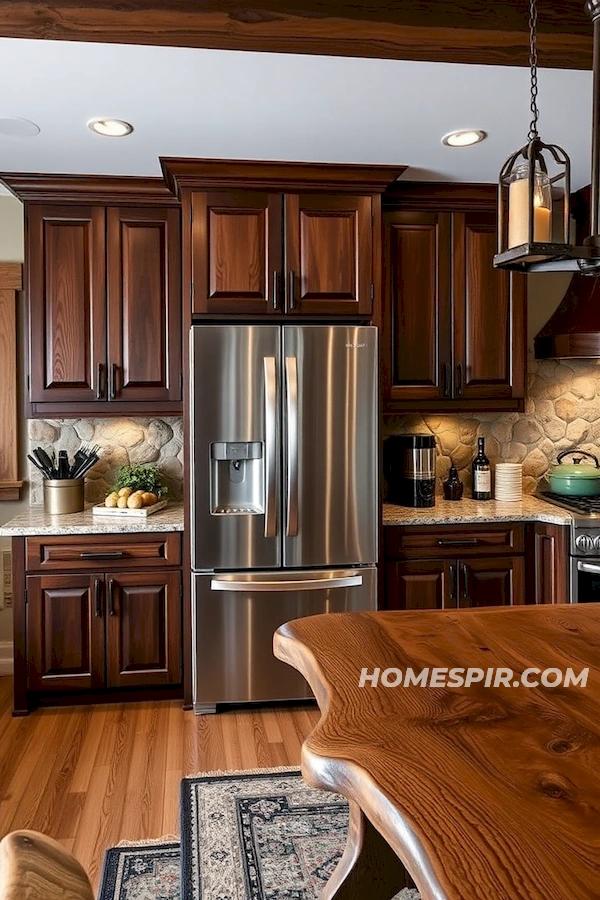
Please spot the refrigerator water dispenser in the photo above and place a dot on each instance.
(237, 485)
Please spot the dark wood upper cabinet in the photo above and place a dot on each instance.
(263, 253)
(329, 254)
(264, 238)
(144, 305)
(236, 252)
(103, 279)
(418, 326)
(67, 302)
(453, 327)
(486, 303)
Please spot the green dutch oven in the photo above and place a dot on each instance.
(575, 480)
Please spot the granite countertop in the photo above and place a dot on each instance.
(454, 512)
(36, 522)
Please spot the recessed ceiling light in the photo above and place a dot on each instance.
(16, 127)
(110, 127)
(463, 138)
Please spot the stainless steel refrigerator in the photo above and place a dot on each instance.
(284, 482)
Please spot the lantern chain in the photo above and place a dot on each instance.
(533, 61)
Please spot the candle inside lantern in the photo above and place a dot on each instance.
(519, 212)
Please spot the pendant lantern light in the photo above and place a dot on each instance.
(535, 184)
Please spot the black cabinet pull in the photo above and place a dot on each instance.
(459, 379)
(465, 582)
(292, 296)
(98, 597)
(468, 542)
(99, 385)
(111, 597)
(275, 290)
(113, 381)
(453, 582)
(112, 554)
(446, 380)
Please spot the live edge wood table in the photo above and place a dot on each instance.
(481, 793)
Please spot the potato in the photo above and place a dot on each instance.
(135, 501)
(125, 492)
(111, 500)
(148, 498)
(122, 502)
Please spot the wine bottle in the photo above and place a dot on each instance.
(482, 474)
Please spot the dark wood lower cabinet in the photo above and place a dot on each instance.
(143, 629)
(548, 546)
(491, 582)
(419, 584)
(111, 632)
(447, 584)
(470, 565)
(65, 632)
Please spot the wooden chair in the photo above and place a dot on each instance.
(35, 867)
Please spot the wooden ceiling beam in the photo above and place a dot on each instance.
(466, 31)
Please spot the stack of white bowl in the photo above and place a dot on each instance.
(509, 481)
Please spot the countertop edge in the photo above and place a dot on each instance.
(471, 512)
(35, 523)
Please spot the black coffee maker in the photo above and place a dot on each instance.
(409, 466)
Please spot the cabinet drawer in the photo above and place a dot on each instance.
(94, 552)
(428, 541)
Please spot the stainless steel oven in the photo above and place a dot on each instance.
(584, 560)
(585, 580)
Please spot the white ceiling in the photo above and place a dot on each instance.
(232, 104)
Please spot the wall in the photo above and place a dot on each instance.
(11, 250)
(562, 409)
(122, 442)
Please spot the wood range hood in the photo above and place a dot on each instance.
(573, 331)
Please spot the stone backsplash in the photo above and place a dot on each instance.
(122, 441)
(562, 411)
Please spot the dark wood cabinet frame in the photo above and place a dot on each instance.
(10, 284)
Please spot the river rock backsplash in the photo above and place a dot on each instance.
(562, 411)
(122, 441)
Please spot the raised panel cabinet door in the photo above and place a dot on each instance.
(491, 582)
(143, 629)
(65, 632)
(420, 584)
(236, 252)
(144, 304)
(551, 563)
(489, 315)
(65, 266)
(329, 254)
(416, 329)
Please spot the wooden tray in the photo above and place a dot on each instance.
(102, 510)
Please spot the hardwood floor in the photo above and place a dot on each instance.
(93, 776)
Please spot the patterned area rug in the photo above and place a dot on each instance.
(246, 836)
(260, 836)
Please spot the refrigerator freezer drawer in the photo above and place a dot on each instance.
(236, 615)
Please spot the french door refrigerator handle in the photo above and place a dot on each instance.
(312, 584)
(270, 447)
(291, 394)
